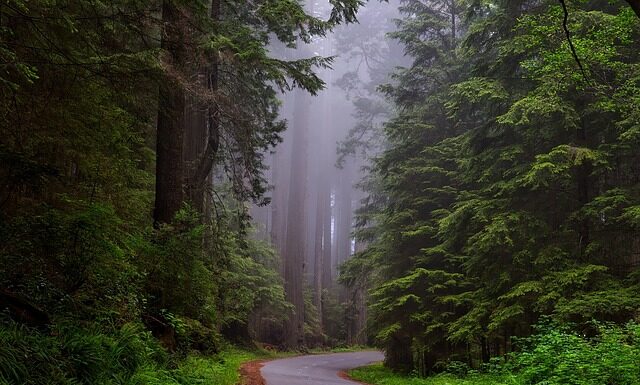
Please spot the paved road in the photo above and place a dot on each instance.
(319, 369)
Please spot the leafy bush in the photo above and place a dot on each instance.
(457, 368)
(379, 375)
(555, 356)
(179, 277)
(76, 260)
(192, 335)
(559, 356)
(70, 355)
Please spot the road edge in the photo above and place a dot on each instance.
(250, 372)
(345, 376)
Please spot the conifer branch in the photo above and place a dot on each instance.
(571, 46)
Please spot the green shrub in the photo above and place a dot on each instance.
(72, 355)
(75, 261)
(195, 336)
(555, 356)
(379, 375)
(559, 356)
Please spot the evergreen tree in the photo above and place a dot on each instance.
(509, 185)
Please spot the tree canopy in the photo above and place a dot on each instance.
(509, 186)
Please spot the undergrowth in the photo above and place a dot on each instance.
(377, 374)
(556, 355)
(69, 355)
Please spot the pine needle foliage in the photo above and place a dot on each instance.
(509, 183)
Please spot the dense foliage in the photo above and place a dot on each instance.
(88, 356)
(553, 356)
(106, 108)
(509, 188)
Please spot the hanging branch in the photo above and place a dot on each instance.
(571, 46)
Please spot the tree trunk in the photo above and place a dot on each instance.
(453, 24)
(327, 238)
(398, 354)
(295, 240)
(195, 138)
(345, 215)
(485, 351)
(281, 171)
(583, 183)
(205, 137)
(170, 128)
(318, 254)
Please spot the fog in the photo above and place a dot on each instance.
(326, 151)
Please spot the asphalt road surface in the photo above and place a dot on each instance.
(318, 369)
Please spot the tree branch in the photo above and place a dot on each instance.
(568, 34)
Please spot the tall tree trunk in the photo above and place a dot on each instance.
(321, 213)
(207, 135)
(327, 241)
(170, 128)
(583, 185)
(281, 171)
(295, 241)
(277, 205)
(345, 214)
(195, 138)
(453, 24)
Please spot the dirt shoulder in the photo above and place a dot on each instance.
(344, 375)
(250, 373)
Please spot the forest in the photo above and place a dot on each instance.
(189, 185)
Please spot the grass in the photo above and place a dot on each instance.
(341, 349)
(556, 355)
(215, 370)
(379, 375)
(221, 369)
(127, 356)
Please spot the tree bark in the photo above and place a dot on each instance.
(327, 280)
(170, 128)
(281, 171)
(322, 242)
(345, 215)
(295, 240)
(194, 145)
(583, 185)
(453, 24)
(317, 268)
(207, 133)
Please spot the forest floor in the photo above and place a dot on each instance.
(379, 375)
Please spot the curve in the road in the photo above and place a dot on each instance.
(317, 369)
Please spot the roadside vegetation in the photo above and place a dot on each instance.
(377, 374)
(602, 354)
(130, 355)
